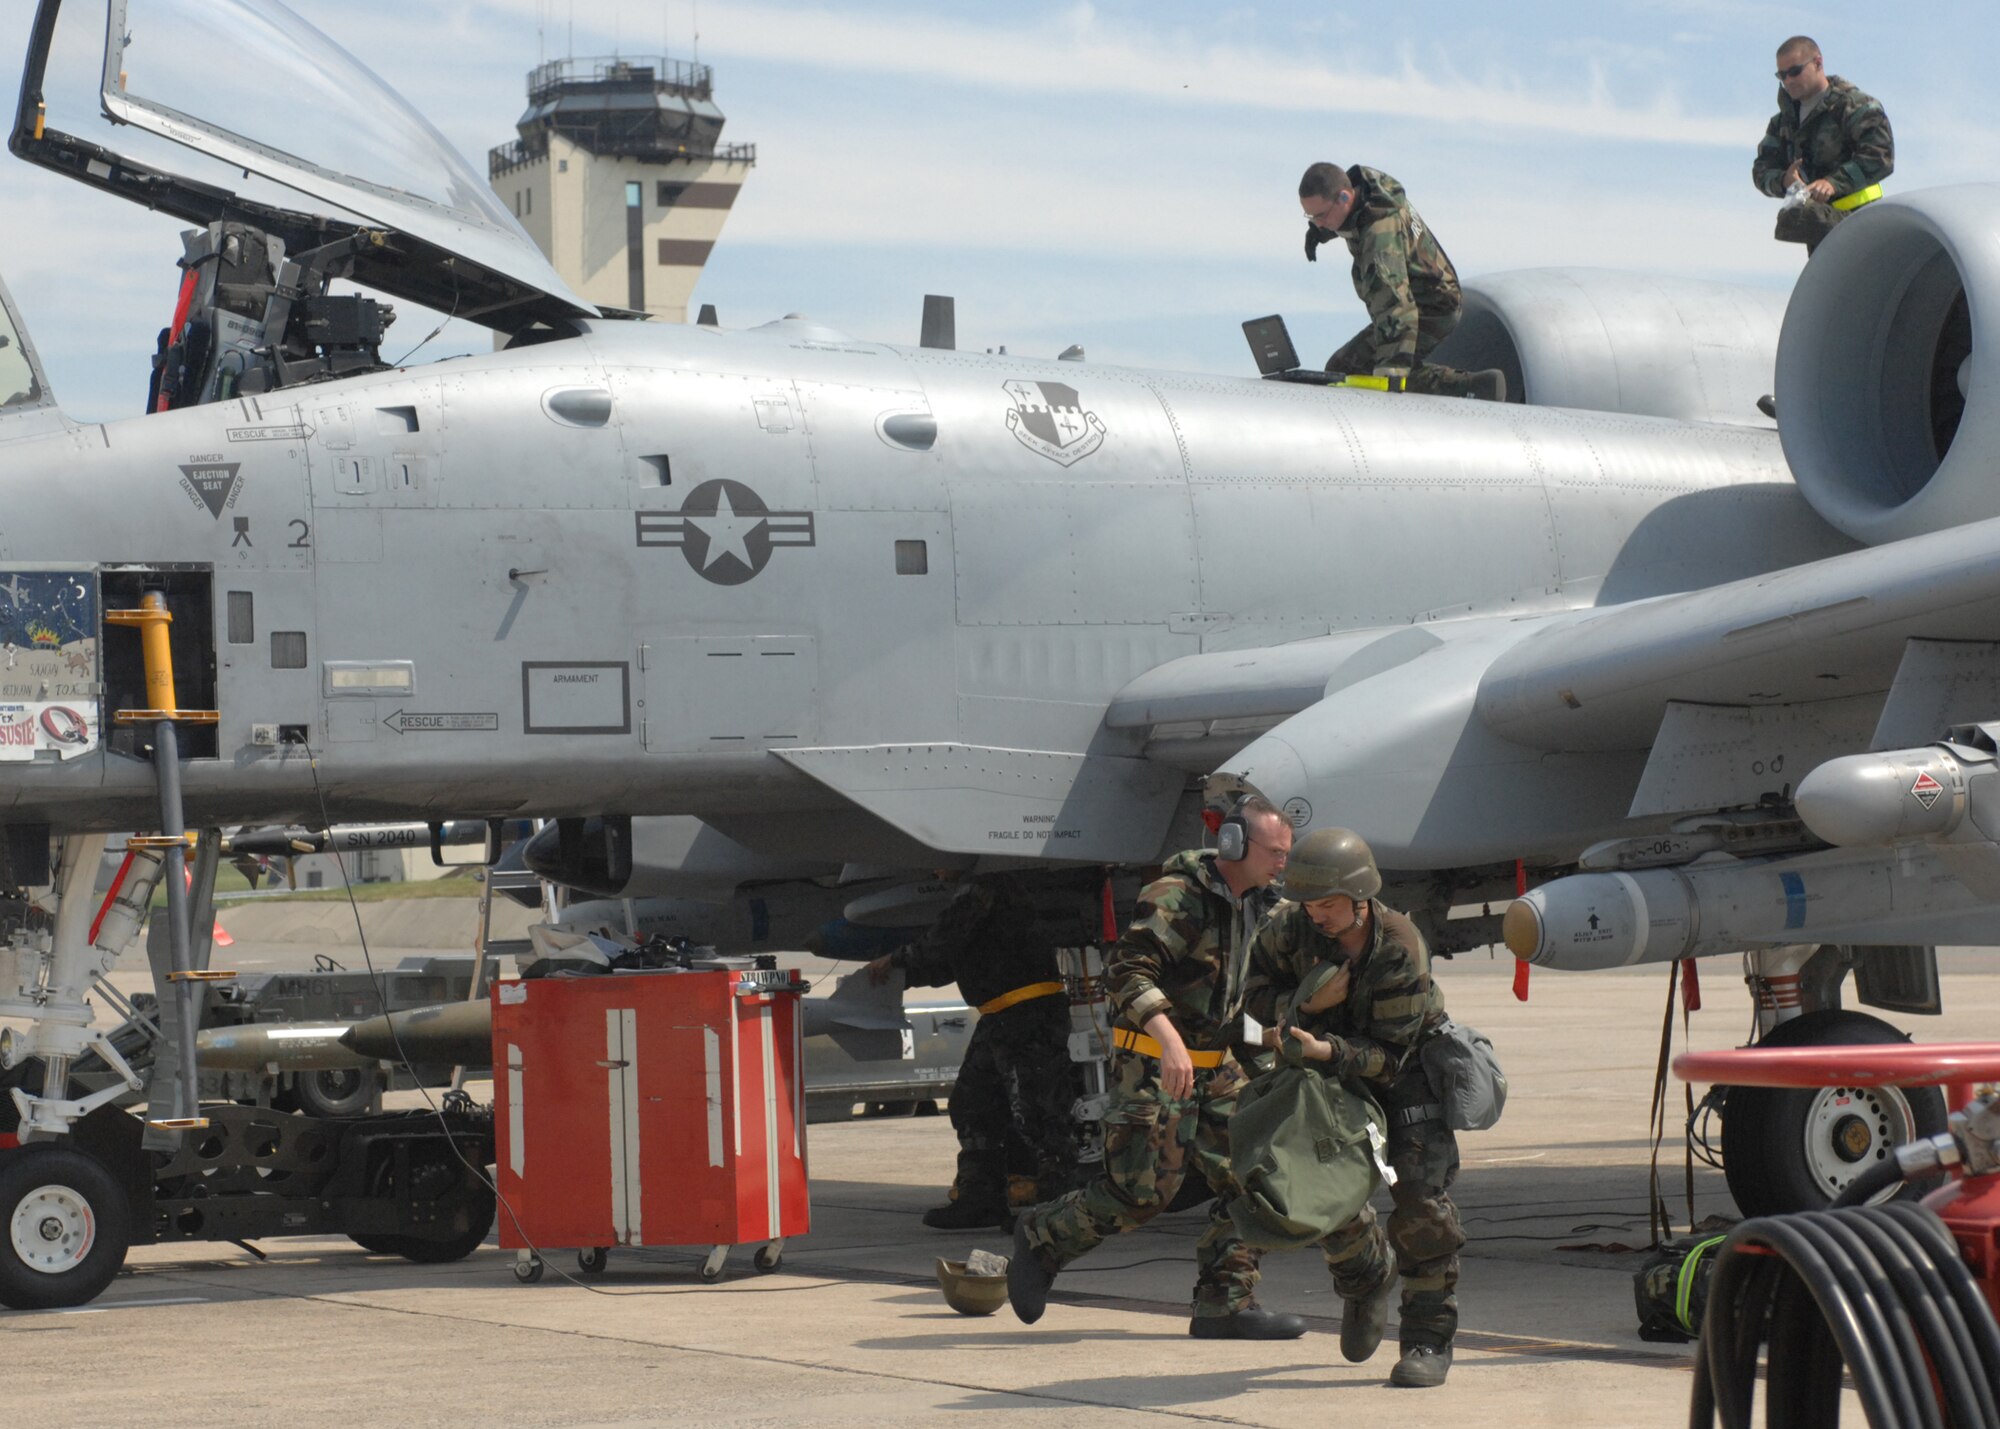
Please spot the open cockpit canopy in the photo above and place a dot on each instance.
(260, 92)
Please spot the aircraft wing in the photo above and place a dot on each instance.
(1834, 629)
(1480, 741)
(1016, 803)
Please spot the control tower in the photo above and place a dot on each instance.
(621, 177)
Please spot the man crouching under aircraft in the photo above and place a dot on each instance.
(1368, 1022)
(1176, 980)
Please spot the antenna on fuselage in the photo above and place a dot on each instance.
(940, 323)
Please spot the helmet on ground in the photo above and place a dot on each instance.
(970, 1294)
(1330, 861)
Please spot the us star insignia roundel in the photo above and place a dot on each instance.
(1049, 420)
(725, 531)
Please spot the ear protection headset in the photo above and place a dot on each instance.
(1232, 836)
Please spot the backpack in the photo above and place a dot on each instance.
(1465, 1076)
(1306, 1149)
(1671, 1288)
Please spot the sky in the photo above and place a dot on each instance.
(1119, 175)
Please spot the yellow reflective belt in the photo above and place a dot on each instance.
(1684, 1281)
(1858, 197)
(1020, 994)
(1139, 1042)
(1373, 384)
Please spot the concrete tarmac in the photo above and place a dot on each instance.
(852, 1330)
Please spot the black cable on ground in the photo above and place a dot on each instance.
(1881, 1289)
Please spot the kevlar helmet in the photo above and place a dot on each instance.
(970, 1294)
(1330, 861)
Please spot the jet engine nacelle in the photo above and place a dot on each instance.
(1606, 341)
(1891, 426)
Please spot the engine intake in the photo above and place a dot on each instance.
(1890, 426)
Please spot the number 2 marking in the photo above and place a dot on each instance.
(299, 542)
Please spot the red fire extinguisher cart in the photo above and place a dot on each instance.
(650, 1108)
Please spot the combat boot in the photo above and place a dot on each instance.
(1421, 1367)
(1487, 385)
(1252, 1322)
(1362, 1322)
(967, 1213)
(1028, 1281)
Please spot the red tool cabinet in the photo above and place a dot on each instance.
(649, 1108)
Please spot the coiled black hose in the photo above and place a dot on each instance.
(1881, 1289)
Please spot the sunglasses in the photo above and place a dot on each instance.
(1794, 71)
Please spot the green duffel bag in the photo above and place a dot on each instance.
(1306, 1150)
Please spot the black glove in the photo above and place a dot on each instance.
(1315, 235)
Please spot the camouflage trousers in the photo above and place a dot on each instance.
(1011, 1105)
(1150, 1140)
(1423, 1233)
(1357, 357)
(1807, 223)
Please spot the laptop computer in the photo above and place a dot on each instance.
(1271, 346)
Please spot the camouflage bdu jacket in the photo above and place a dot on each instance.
(1184, 953)
(1400, 272)
(1846, 141)
(1391, 999)
(985, 941)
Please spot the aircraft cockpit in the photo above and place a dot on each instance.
(298, 166)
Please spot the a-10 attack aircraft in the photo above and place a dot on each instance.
(1715, 687)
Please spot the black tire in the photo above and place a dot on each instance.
(1765, 1155)
(448, 1246)
(379, 1244)
(64, 1228)
(592, 1259)
(528, 1271)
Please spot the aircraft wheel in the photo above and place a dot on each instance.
(379, 1244)
(336, 1091)
(1790, 1149)
(66, 1224)
(591, 1260)
(528, 1270)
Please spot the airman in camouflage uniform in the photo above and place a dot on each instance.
(1827, 136)
(1016, 1084)
(1369, 1025)
(1401, 275)
(1175, 980)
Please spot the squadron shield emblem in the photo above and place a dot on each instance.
(725, 531)
(1049, 420)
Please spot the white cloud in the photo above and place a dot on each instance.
(1078, 52)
